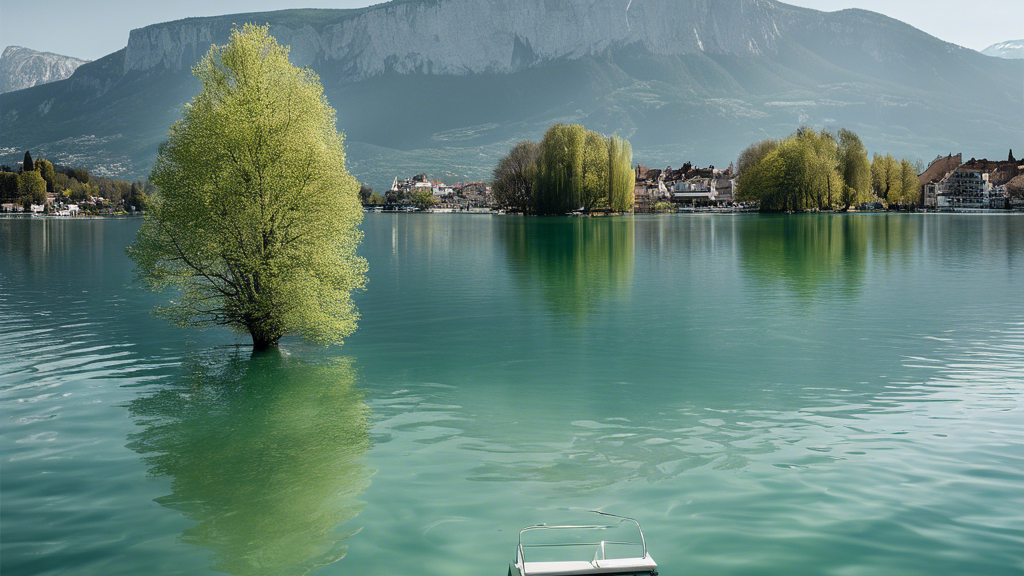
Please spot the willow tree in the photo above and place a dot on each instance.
(594, 191)
(855, 168)
(798, 173)
(560, 170)
(256, 222)
(621, 178)
(887, 178)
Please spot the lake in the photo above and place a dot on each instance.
(770, 395)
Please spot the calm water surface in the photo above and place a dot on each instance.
(837, 395)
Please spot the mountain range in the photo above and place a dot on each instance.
(1013, 50)
(23, 68)
(446, 86)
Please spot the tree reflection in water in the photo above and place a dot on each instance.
(809, 254)
(577, 264)
(264, 455)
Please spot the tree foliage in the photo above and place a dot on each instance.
(895, 181)
(754, 153)
(514, 177)
(594, 191)
(256, 221)
(855, 168)
(364, 193)
(45, 169)
(802, 172)
(138, 198)
(9, 183)
(32, 187)
(820, 171)
(571, 169)
(27, 165)
(621, 178)
(559, 185)
(80, 174)
(911, 188)
(422, 199)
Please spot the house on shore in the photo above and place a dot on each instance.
(931, 179)
(687, 186)
(978, 184)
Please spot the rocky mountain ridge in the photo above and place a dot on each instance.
(23, 68)
(1012, 50)
(472, 37)
(446, 86)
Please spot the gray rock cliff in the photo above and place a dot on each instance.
(23, 68)
(457, 37)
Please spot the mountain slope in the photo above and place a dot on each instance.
(24, 68)
(445, 86)
(1013, 50)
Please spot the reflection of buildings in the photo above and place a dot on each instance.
(264, 455)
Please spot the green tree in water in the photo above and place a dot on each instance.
(256, 220)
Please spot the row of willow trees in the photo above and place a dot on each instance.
(822, 171)
(571, 169)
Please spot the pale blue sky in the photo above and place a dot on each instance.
(91, 29)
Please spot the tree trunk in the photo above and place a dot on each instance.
(262, 342)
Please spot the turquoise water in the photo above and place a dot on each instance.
(812, 395)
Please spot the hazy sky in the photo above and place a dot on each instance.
(91, 29)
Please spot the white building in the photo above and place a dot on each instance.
(965, 189)
(440, 190)
(696, 190)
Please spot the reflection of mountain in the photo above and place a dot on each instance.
(577, 263)
(264, 455)
(809, 254)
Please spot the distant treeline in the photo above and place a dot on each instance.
(822, 171)
(571, 169)
(31, 183)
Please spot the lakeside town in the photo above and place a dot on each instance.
(947, 184)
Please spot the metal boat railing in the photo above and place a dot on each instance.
(642, 543)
